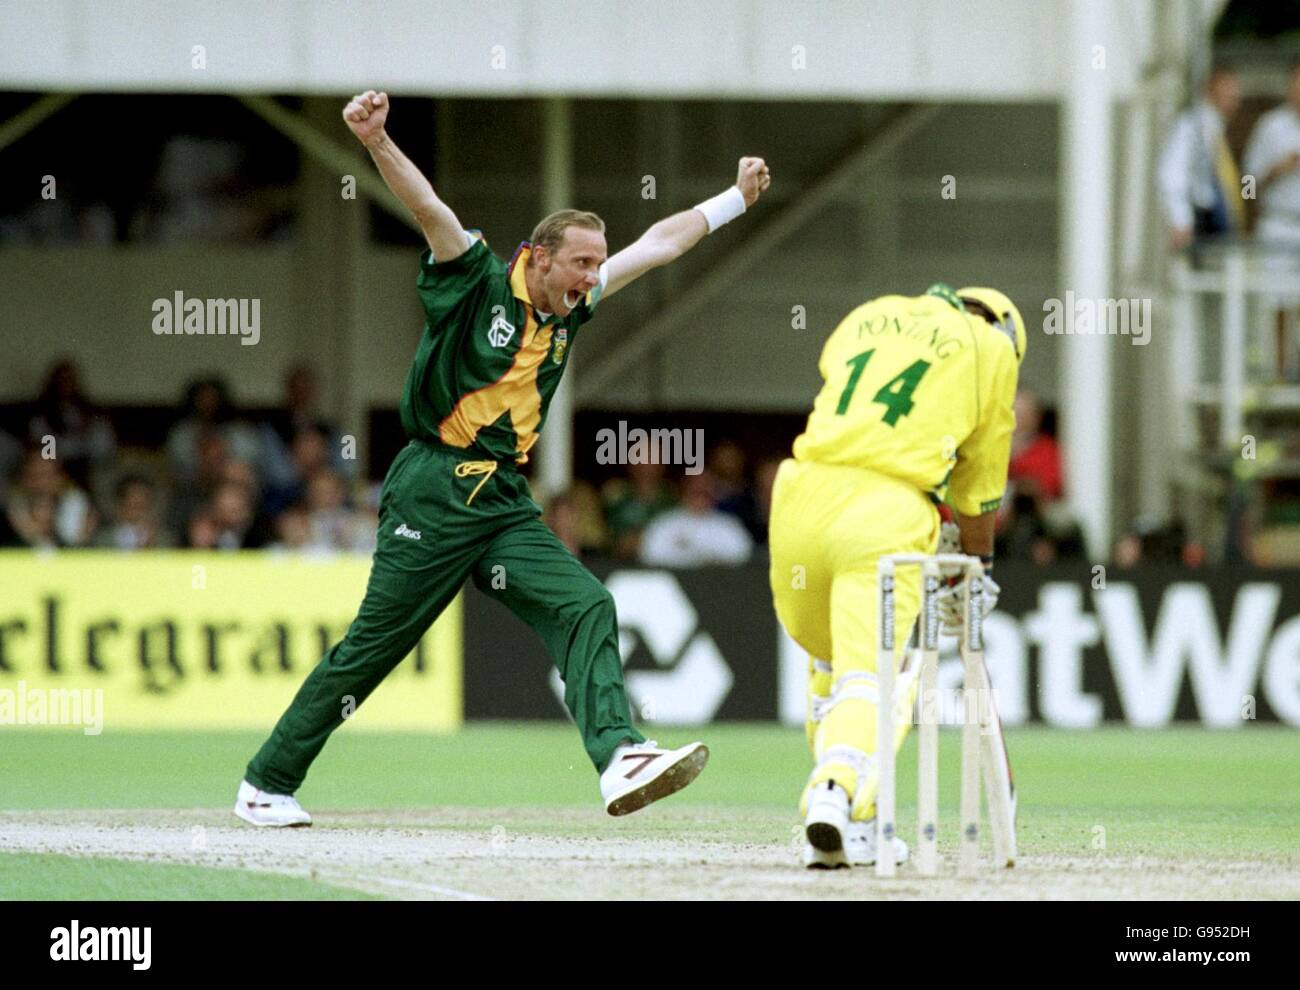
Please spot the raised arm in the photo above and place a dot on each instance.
(365, 115)
(673, 236)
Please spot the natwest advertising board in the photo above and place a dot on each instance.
(1071, 647)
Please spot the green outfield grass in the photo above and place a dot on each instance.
(46, 877)
(1181, 794)
(1171, 783)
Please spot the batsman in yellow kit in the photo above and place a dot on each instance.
(915, 410)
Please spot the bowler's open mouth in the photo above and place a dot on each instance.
(572, 298)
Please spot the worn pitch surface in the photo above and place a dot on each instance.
(510, 811)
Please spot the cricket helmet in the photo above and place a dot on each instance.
(1000, 313)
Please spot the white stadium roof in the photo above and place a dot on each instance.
(940, 50)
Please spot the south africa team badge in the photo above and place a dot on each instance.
(561, 342)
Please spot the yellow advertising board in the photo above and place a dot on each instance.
(180, 639)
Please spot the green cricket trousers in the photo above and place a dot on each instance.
(445, 517)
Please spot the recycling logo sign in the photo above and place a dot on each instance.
(692, 679)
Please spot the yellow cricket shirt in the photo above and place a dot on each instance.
(920, 390)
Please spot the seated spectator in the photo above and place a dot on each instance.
(308, 453)
(334, 525)
(45, 508)
(208, 410)
(34, 523)
(697, 534)
(576, 517)
(83, 436)
(593, 536)
(298, 415)
(1151, 541)
(752, 505)
(242, 473)
(227, 521)
(1037, 534)
(1060, 542)
(632, 502)
(562, 517)
(192, 493)
(1023, 525)
(292, 529)
(201, 532)
(726, 462)
(135, 524)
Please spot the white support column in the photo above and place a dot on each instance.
(1140, 252)
(555, 449)
(1232, 359)
(1085, 163)
(1183, 365)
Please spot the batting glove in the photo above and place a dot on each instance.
(949, 542)
(949, 602)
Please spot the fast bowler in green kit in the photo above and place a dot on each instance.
(454, 506)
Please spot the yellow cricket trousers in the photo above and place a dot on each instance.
(830, 525)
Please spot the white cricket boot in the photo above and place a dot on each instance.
(815, 859)
(827, 820)
(276, 810)
(860, 845)
(641, 773)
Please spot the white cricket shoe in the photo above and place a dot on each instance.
(815, 859)
(860, 845)
(641, 773)
(277, 810)
(827, 820)
(859, 850)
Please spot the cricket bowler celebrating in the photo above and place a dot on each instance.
(916, 407)
(454, 506)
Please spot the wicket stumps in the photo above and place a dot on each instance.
(982, 745)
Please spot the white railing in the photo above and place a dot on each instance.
(1252, 282)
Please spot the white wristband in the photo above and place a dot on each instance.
(722, 208)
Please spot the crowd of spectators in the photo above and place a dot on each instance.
(230, 479)
(716, 516)
(224, 479)
(720, 516)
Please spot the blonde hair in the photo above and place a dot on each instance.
(550, 232)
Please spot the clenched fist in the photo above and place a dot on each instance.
(752, 179)
(366, 114)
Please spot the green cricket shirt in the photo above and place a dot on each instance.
(487, 363)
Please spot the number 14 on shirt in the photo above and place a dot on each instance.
(895, 395)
